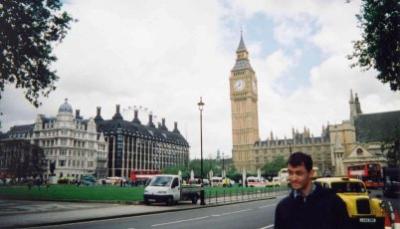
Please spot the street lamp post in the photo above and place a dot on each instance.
(201, 105)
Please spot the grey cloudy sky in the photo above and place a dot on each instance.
(164, 55)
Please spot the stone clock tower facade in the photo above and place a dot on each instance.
(244, 99)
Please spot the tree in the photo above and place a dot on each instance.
(272, 168)
(379, 47)
(28, 32)
(175, 170)
(391, 147)
(20, 159)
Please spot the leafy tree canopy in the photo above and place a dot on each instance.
(28, 32)
(272, 168)
(379, 47)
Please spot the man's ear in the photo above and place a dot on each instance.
(312, 173)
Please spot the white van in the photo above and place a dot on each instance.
(216, 181)
(256, 182)
(169, 189)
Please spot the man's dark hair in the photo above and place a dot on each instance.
(300, 158)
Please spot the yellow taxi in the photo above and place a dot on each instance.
(364, 211)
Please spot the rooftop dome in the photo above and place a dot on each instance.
(65, 107)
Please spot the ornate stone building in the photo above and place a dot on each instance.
(356, 140)
(143, 148)
(69, 141)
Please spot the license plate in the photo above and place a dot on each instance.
(367, 220)
(152, 200)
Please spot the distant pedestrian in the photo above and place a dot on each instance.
(309, 206)
(29, 184)
(47, 183)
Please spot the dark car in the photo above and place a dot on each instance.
(391, 182)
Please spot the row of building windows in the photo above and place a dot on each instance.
(64, 132)
(75, 163)
(74, 143)
(65, 152)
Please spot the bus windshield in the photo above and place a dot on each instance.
(161, 181)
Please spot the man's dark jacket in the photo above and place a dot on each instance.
(321, 209)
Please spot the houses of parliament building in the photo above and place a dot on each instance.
(357, 140)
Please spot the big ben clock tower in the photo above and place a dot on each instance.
(244, 97)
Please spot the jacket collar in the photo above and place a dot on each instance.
(314, 190)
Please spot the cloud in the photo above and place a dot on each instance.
(165, 55)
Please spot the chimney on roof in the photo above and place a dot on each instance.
(77, 113)
(151, 124)
(136, 116)
(117, 115)
(176, 127)
(98, 117)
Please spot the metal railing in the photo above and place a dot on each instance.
(239, 194)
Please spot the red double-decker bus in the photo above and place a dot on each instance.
(370, 173)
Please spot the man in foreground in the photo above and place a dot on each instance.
(309, 206)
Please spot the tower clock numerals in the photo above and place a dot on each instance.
(239, 85)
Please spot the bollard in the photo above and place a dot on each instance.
(224, 195)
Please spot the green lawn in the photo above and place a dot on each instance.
(105, 193)
(72, 192)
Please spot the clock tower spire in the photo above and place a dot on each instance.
(244, 108)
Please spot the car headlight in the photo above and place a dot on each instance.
(161, 192)
(145, 191)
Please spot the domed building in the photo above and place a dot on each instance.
(70, 142)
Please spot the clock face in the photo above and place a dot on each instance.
(239, 85)
(254, 86)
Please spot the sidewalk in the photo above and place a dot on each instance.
(14, 214)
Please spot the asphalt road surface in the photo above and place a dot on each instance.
(257, 215)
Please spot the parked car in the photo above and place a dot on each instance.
(276, 182)
(88, 180)
(364, 211)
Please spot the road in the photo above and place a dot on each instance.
(257, 214)
(378, 193)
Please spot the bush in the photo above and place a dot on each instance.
(63, 181)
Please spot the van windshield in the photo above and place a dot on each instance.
(161, 181)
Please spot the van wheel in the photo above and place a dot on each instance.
(194, 199)
(170, 201)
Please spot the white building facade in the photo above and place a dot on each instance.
(70, 142)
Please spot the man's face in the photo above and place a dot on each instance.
(299, 177)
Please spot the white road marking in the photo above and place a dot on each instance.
(198, 218)
(229, 213)
(266, 206)
(269, 226)
(179, 221)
